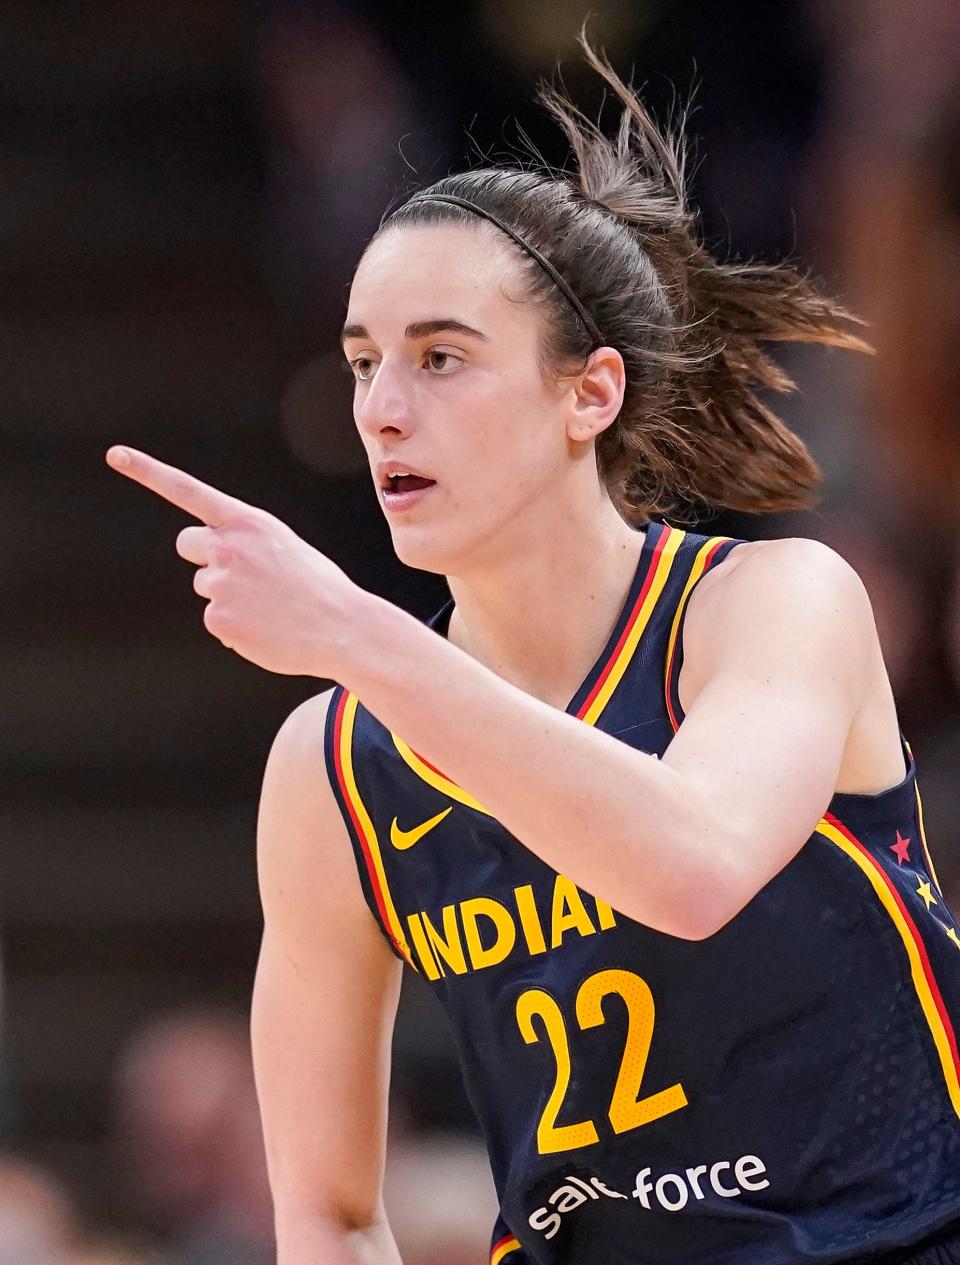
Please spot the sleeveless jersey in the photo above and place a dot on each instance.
(785, 1091)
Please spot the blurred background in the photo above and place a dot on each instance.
(184, 190)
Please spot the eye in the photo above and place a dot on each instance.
(362, 367)
(442, 362)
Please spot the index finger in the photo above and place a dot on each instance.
(176, 486)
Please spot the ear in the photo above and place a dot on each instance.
(596, 395)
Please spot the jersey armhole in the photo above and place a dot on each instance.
(505, 1246)
(338, 758)
(713, 551)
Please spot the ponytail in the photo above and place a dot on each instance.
(693, 429)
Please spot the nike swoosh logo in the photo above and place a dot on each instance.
(403, 839)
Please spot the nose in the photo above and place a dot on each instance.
(384, 404)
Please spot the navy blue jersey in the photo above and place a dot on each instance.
(784, 1091)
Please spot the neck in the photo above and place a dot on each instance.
(541, 613)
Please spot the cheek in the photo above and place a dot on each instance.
(519, 433)
(504, 459)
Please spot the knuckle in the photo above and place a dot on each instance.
(220, 553)
(258, 520)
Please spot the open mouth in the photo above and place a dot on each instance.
(407, 483)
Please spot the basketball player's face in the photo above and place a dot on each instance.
(449, 391)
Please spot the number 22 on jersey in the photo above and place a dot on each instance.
(627, 1109)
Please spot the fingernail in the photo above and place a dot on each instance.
(118, 458)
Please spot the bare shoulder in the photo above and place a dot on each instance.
(305, 858)
(793, 612)
(297, 797)
(768, 579)
(303, 729)
(789, 606)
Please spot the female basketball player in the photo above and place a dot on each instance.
(636, 805)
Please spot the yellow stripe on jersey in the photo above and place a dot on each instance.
(696, 571)
(365, 824)
(613, 674)
(928, 992)
(437, 779)
(502, 1249)
(923, 833)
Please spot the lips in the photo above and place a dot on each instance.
(397, 476)
(405, 498)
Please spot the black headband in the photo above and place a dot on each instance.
(588, 322)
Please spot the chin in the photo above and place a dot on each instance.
(433, 547)
(424, 549)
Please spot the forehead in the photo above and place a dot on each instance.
(416, 272)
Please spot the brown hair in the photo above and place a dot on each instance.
(692, 429)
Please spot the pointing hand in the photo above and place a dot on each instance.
(271, 597)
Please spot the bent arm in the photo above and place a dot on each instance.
(323, 1008)
(786, 645)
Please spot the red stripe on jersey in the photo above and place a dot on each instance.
(615, 653)
(357, 828)
(914, 933)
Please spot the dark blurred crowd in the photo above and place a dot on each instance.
(185, 1158)
(185, 190)
(187, 1174)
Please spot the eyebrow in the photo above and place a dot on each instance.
(419, 329)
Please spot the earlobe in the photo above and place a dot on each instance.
(588, 422)
(582, 432)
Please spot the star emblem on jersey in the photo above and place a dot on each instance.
(926, 895)
(952, 934)
(901, 848)
(404, 839)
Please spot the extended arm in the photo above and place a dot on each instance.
(784, 647)
(785, 652)
(323, 1008)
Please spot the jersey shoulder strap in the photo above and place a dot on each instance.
(351, 739)
(700, 555)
